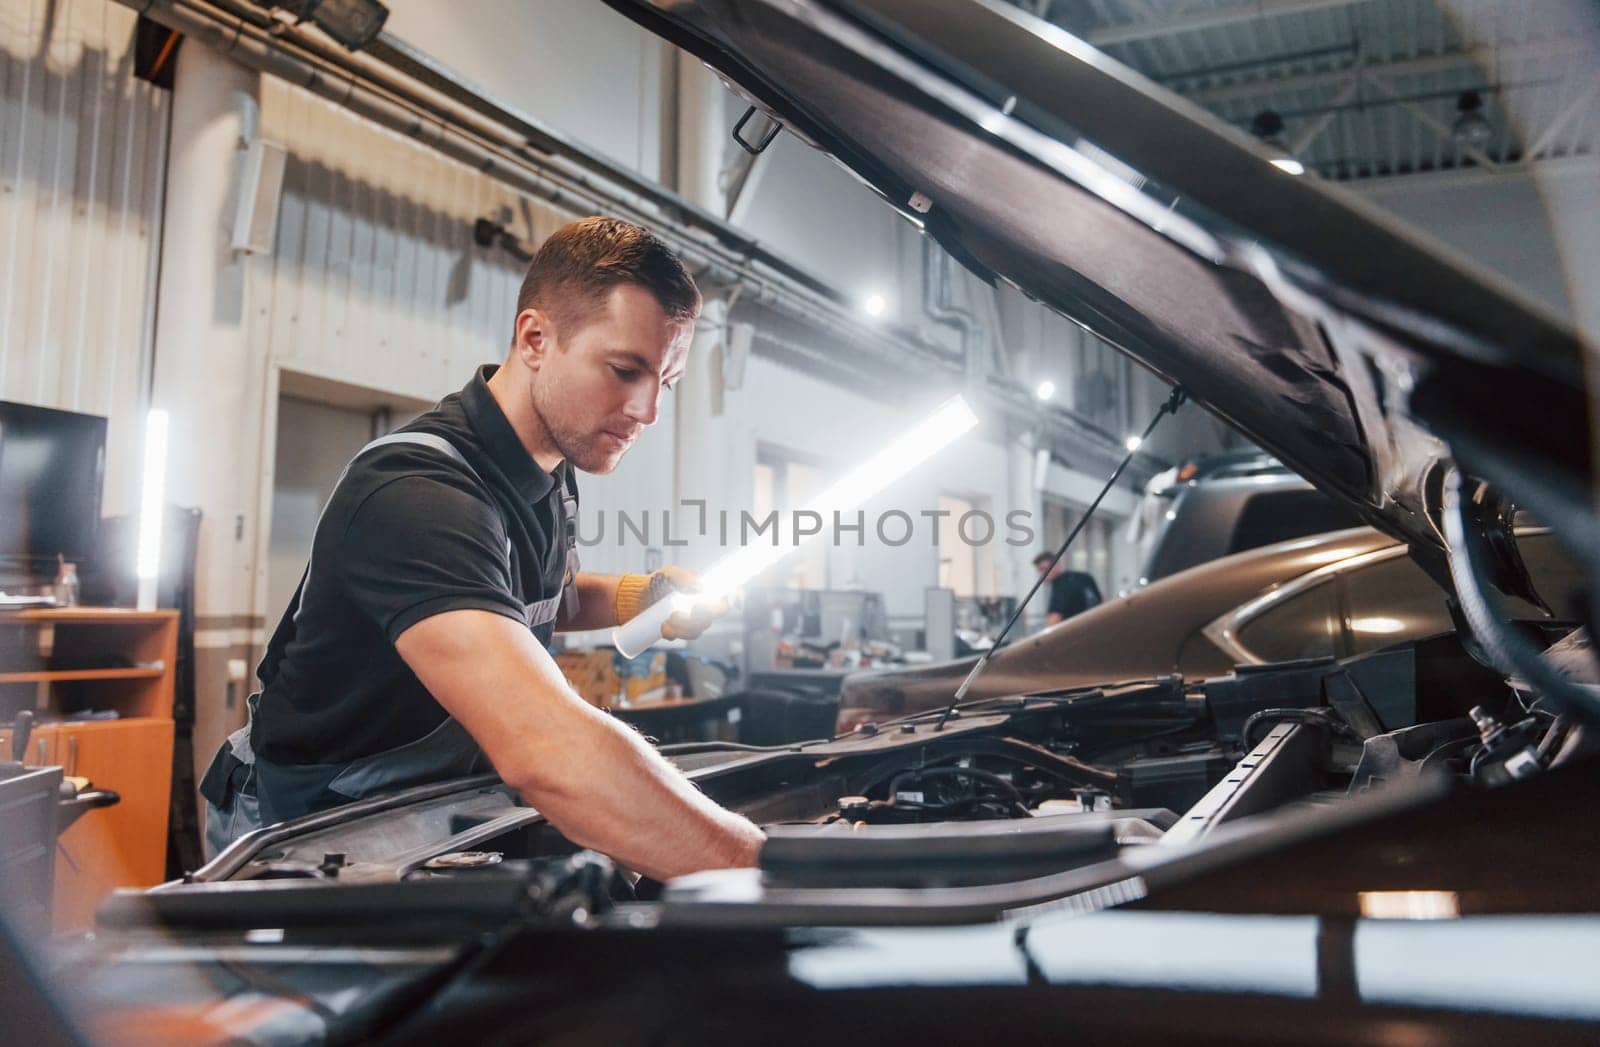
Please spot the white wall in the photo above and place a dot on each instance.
(812, 211)
(314, 442)
(574, 65)
(1571, 194)
(1538, 233)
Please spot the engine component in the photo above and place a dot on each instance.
(1410, 752)
(957, 791)
(1251, 688)
(1175, 782)
(1509, 751)
(464, 860)
(944, 855)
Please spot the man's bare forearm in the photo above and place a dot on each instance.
(609, 790)
(592, 776)
(597, 603)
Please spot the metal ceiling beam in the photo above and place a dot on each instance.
(1210, 19)
(1450, 178)
(1547, 137)
(1312, 131)
(1445, 132)
(1261, 66)
(1482, 57)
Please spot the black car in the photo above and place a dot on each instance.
(1394, 848)
(1220, 505)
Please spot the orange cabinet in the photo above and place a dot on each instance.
(62, 662)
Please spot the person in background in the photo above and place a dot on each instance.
(1071, 592)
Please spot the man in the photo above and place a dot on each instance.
(415, 648)
(1071, 592)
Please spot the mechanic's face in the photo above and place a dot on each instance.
(597, 386)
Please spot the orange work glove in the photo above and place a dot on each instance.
(635, 592)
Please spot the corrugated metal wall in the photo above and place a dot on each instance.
(82, 145)
(375, 279)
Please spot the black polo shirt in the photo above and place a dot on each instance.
(1072, 593)
(408, 533)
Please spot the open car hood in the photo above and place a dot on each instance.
(1363, 356)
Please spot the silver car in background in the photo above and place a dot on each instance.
(1328, 596)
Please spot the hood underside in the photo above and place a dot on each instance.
(1359, 354)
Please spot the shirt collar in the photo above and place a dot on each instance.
(500, 440)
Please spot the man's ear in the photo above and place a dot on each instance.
(533, 338)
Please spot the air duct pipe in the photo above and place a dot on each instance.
(936, 303)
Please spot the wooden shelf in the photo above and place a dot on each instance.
(86, 615)
(124, 845)
(65, 675)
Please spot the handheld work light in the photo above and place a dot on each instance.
(952, 420)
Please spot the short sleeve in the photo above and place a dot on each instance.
(419, 546)
(1060, 598)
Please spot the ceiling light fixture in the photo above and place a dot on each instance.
(1045, 389)
(1472, 128)
(354, 23)
(1267, 125)
(875, 304)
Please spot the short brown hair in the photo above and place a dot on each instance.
(578, 265)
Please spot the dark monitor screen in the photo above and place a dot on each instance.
(52, 464)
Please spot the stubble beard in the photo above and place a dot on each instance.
(578, 449)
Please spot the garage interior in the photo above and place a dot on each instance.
(241, 241)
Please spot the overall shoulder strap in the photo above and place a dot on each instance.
(433, 440)
(285, 630)
(569, 538)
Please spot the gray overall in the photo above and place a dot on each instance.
(244, 792)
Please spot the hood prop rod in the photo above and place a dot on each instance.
(1174, 402)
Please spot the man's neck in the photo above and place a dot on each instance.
(516, 403)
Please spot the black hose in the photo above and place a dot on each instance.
(695, 748)
(1013, 794)
(1316, 717)
(1507, 650)
(957, 772)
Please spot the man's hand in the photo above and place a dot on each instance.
(592, 776)
(635, 592)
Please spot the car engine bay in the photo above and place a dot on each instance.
(1409, 781)
(1009, 804)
